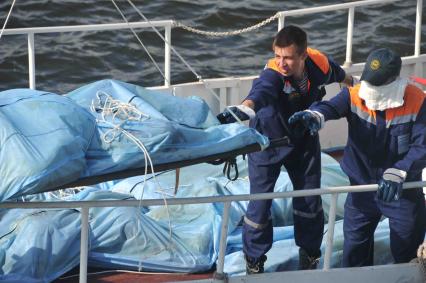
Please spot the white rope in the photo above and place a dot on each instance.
(7, 18)
(140, 41)
(162, 37)
(174, 50)
(228, 33)
(179, 56)
(112, 110)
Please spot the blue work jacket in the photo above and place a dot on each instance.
(378, 140)
(276, 97)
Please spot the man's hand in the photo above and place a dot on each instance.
(306, 120)
(241, 111)
(390, 186)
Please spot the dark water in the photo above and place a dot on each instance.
(69, 60)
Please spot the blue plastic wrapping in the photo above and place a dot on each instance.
(38, 245)
(173, 238)
(43, 141)
(171, 128)
(48, 140)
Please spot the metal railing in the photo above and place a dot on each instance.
(167, 25)
(351, 15)
(226, 200)
(30, 32)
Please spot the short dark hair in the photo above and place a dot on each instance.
(289, 35)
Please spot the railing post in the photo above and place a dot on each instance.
(418, 28)
(349, 37)
(222, 244)
(84, 244)
(418, 66)
(281, 19)
(330, 231)
(167, 54)
(31, 60)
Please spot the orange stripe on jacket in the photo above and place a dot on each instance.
(413, 100)
(274, 66)
(319, 59)
(359, 102)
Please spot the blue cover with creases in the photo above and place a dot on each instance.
(173, 238)
(48, 140)
(43, 141)
(171, 128)
(38, 245)
(126, 237)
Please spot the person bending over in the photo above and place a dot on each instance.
(386, 145)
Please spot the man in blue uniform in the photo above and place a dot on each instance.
(386, 145)
(290, 82)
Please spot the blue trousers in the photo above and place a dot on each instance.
(362, 215)
(303, 164)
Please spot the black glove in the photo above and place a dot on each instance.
(241, 111)
(390, 186)
(304, 121)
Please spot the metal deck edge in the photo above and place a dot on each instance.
(393, 273)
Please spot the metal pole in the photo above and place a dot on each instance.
(330, 232)
(167, 54)
(223, 237)
(31, 60)
(281, 19)
(84, 244)
(418, 28)
(351, 13)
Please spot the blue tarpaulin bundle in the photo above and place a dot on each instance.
(48, 140)
(178, 238)
(171, 128)
(43, 141)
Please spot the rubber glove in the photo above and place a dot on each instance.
(306, 120)
(241, 111)
(390, 185)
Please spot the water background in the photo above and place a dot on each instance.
(69, 60)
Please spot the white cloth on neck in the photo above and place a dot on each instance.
(385, 96)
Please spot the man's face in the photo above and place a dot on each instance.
(289, 61)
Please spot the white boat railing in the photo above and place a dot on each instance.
(351, 15)
(226, 200)
(168, 24)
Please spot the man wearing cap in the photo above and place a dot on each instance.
(386, 145)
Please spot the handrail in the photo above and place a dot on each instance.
(95, 27)
(334, 7)
(200, 200)
(351, 13)
(168, 24)
(226, 200)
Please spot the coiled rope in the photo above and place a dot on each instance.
(116, 114)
